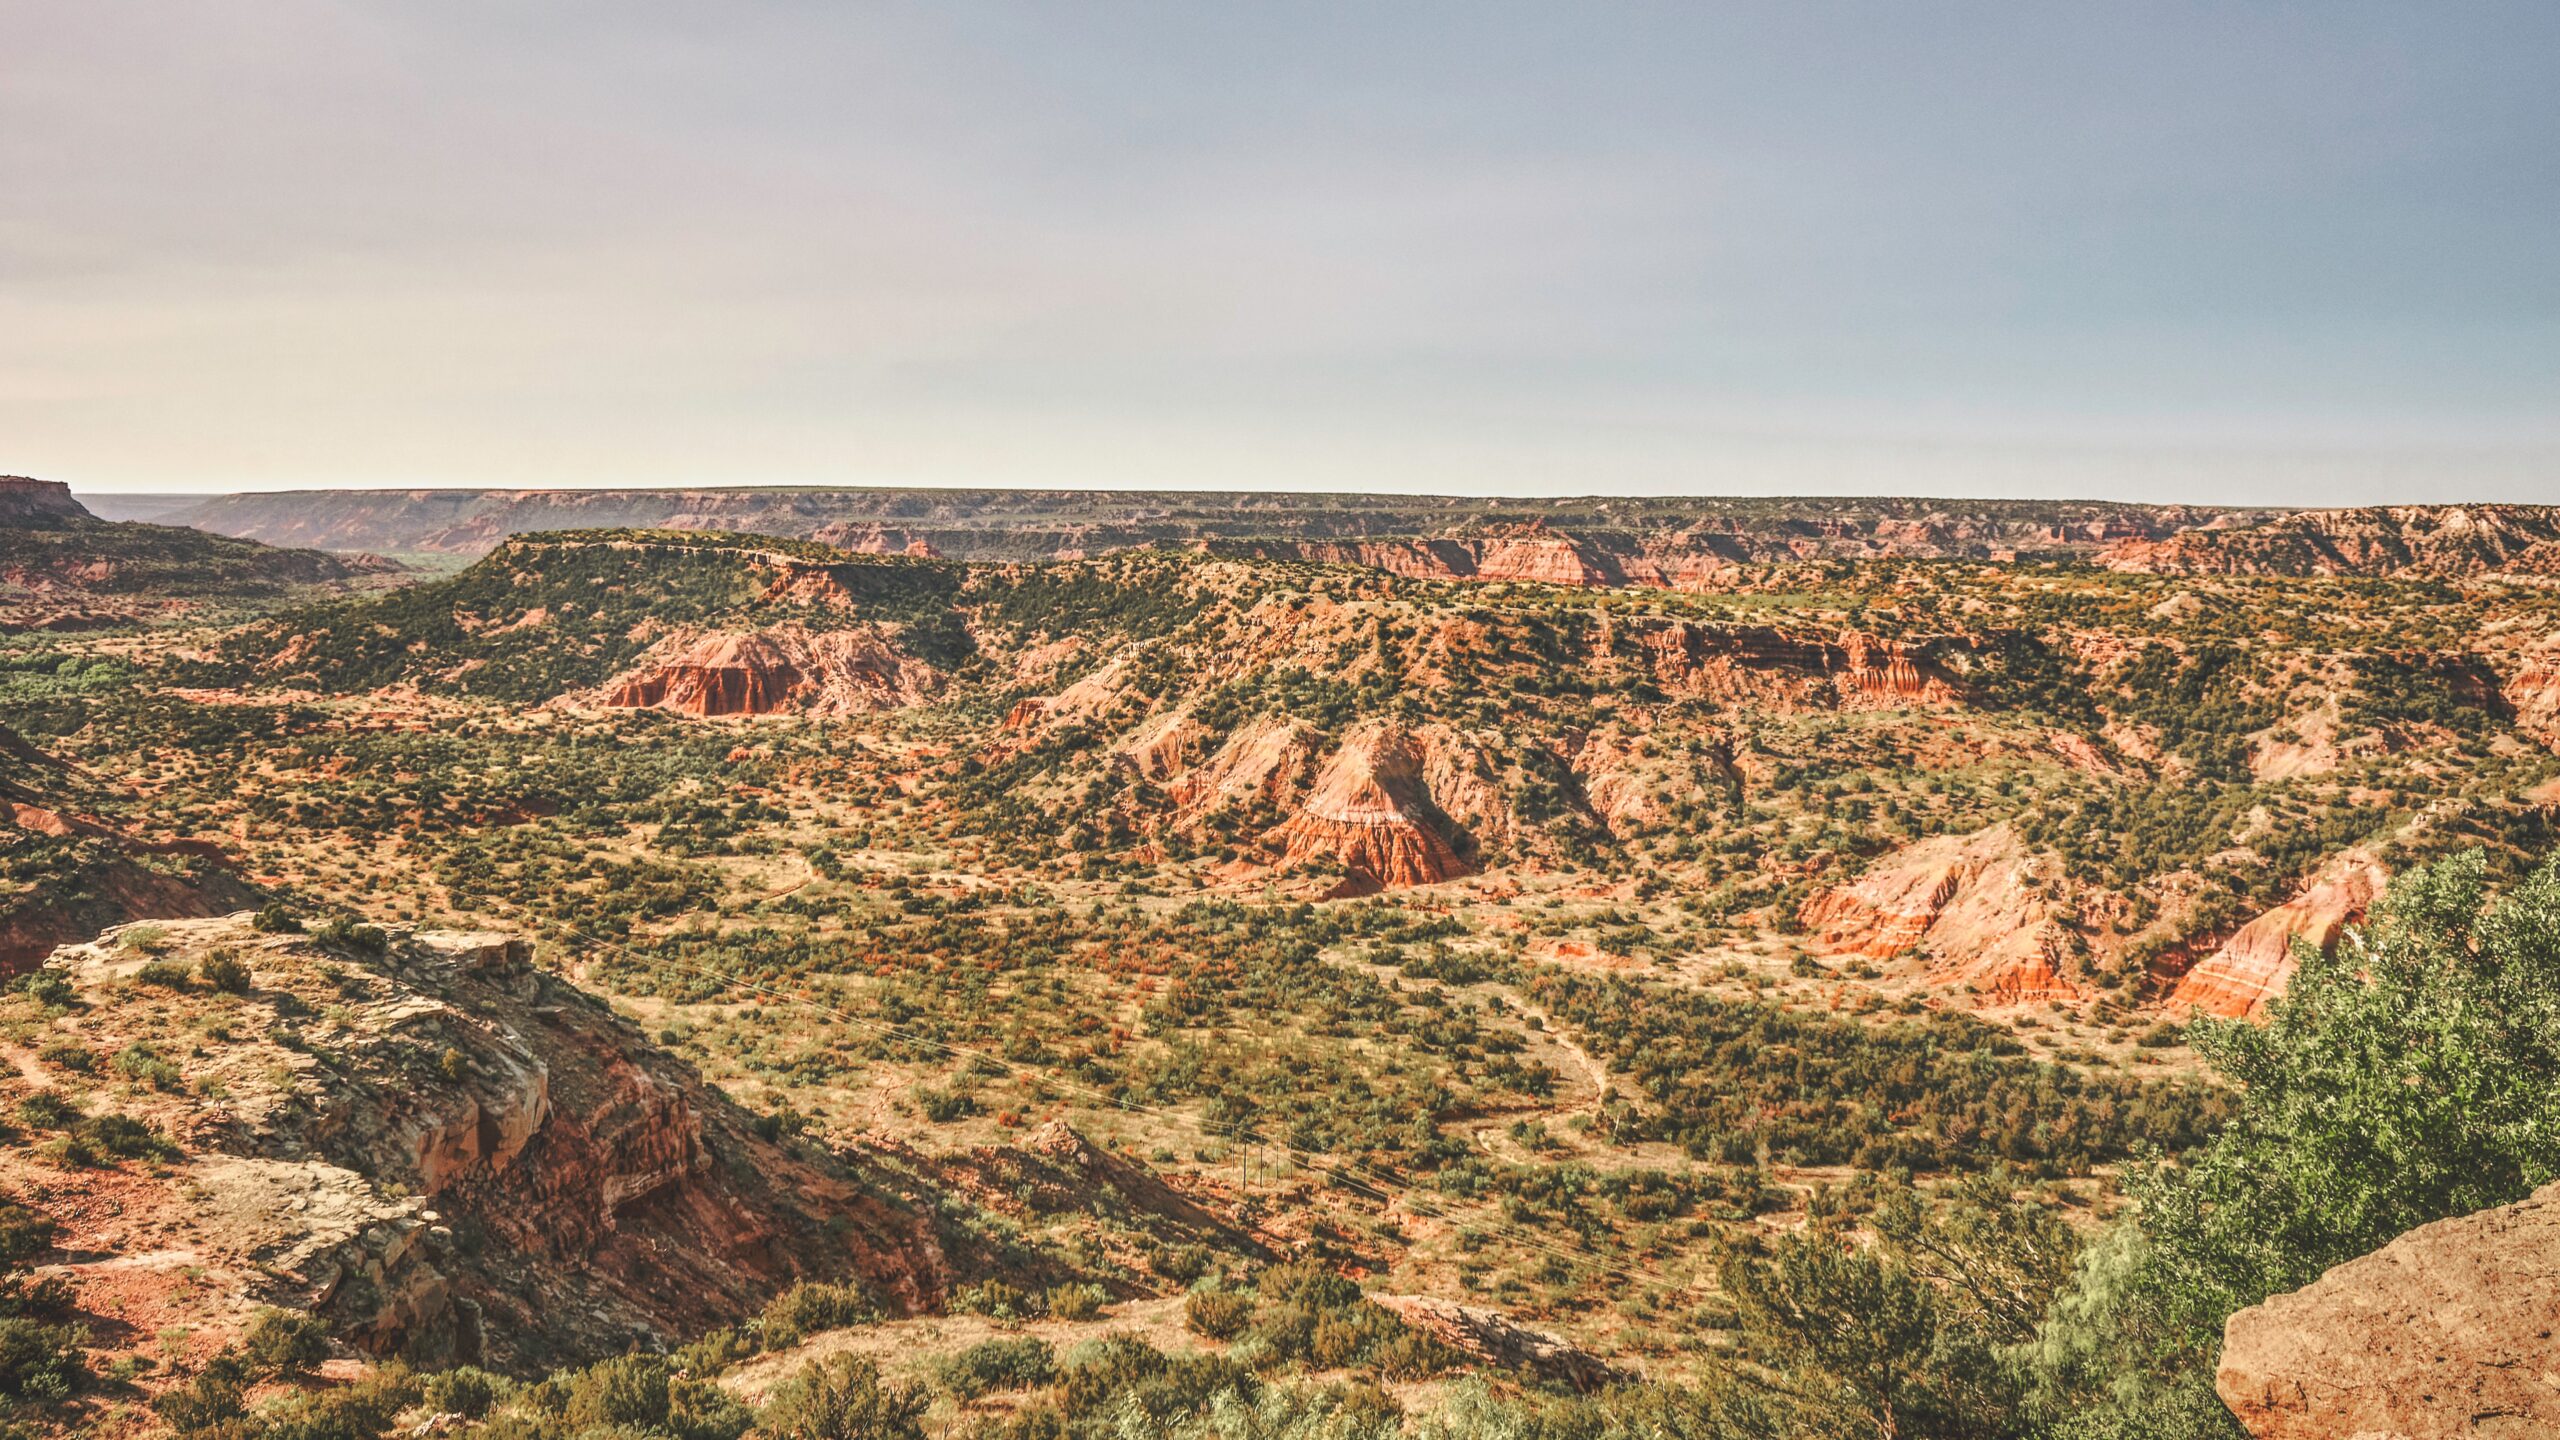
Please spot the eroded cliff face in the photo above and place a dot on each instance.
(784, 669)
(2530, 688)
(449, 1153)
(2254, 965)
(1766, 666)
(1371, 816)
(2401, 540)
(1967, 904)
(25, 500)
(2451, 1330)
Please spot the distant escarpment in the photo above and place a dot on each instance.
(1585, 541)
(449, 1154)
(62, 568)
(697, 623)
(2400, 541)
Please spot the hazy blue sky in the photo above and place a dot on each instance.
(2264, 251)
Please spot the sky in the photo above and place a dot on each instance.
(2260, 253)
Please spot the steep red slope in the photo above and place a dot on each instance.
(787, 668)
(1372, 817)
(2253, 966)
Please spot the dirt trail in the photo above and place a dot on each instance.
(28, 1067)
(902, 1346)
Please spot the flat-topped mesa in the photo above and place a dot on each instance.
(784, 669)
(2255, 964)
(1371, 816)
(28, 501)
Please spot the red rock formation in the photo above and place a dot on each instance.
(1262, 762)
(1371, 816)
(618, 1196)
(787, 668)
(1964, 901)
(1162, 747)
(1878, 673)
(2452, 1330)
(2253, 966)
(1759, 665)
(2400, 540)
(2530, 690)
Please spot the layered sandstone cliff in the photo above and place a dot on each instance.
(783, 669)
(2451, 1330)
(2252, 967)
(1969, 904)
(451, 1154)
(1762, 665)
(1371, 817)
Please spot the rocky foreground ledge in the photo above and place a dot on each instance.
(2451, 1330)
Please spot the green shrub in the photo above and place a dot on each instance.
(1217, 1314)
(168, 974)
(47, 988)
(1075, 1302)
(842, 1398)
(997, 1300)
(273, 919)
(465, 1390)
(345, 932)
(139, 1062)
(69, 1055)
(807, 1309)
(47, 1110)
(994, 1365)
(224, 972)
(285, 1342)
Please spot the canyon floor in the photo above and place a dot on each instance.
(592, 946)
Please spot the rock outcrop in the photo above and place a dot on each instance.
(2412, 541)
(2530, 691)
(451, 1154)
(1966, 902)
(2452, 1330)
(785, 669)
(1497, 1339)
(1371, 818)
(1261, 762)
(24, 501)
(2253, 966)
(1759, 665)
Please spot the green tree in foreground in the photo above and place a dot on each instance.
(2411, 1075)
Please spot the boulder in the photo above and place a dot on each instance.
(2451, 1330)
